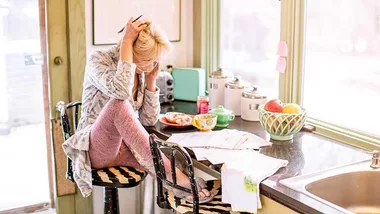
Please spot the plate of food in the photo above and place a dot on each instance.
(177, 119)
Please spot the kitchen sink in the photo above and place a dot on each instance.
(354, 188)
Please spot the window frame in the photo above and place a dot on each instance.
(293, 26)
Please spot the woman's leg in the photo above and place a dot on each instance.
(106, 145)
(118, 135)
(119, 124)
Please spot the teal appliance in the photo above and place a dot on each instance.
(189, 83)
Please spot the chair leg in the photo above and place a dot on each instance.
(111, 201)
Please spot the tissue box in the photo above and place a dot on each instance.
(189, 83)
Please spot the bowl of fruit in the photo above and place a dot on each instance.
(282, 120)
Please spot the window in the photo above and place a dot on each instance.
(23, 152)
(342, 63)
(338, 68)
(250, 32)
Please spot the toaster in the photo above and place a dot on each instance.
(189, 83)
(165, 84)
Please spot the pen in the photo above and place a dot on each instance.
(132, 22)
(137, 19)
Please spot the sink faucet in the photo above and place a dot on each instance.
(375, 159)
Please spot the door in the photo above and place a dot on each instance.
(37, 40)
(26, 181)
(66, 59)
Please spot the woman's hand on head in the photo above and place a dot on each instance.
(151, 77)
(132, 30)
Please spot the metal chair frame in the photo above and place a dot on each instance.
(156, 146)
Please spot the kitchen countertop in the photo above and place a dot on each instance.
(306, 153)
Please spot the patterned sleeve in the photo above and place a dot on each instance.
(150, 108)
(115, 83)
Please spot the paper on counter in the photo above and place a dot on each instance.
(218, 146)
(200, 153)
(194, 139)
(226, 139)
(220, 156)
(254, 142)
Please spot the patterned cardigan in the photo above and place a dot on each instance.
(106, 77)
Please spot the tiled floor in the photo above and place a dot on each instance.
(23, 165)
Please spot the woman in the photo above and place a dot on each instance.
(118, 82)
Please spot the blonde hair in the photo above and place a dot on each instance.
(151, 44)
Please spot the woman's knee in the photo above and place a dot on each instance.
(120, 105)
(115, 103)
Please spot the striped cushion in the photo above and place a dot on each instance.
(216, 206)
(118, 176)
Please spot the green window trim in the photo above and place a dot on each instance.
(292, 31)
(293, 25)
(206, 34)
(352, 137)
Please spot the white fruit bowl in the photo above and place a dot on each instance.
(281, 126)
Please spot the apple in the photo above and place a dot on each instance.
(274, 105)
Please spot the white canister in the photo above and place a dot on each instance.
(232, 95)
(216, 82)
(250, 102)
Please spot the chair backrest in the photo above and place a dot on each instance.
(156, 146)
(66, 127)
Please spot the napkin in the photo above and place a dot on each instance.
(242, 174)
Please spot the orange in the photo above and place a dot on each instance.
(291, 108)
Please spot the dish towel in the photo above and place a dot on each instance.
(242, 174)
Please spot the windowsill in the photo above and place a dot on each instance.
(344, 135)
(307, 153)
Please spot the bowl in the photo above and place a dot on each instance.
(281, 126)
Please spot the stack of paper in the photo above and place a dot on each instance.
(210, 145)
(224, 139)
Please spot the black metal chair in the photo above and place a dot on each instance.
(166, 198)
(110, 178)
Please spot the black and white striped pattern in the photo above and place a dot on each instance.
(216, 206)
(118, 177)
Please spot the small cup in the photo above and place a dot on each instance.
(204, 122)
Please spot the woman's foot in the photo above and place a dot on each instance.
(183, 180)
